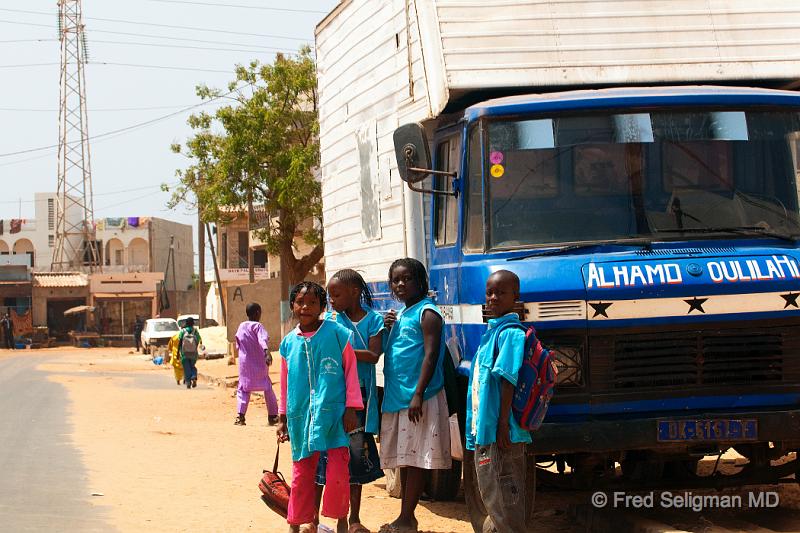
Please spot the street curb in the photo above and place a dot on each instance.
(230, 382)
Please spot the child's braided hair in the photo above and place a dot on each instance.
(417, 270)
(351, 277)
(310, 287)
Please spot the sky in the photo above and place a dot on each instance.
(145, 59)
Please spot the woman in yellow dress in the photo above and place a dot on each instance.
(175, 357)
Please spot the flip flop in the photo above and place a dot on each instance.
(391, 528)
(357, 528)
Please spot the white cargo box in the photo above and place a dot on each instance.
(382, 63)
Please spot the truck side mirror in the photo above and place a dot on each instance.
(411, 151)
(414, 158)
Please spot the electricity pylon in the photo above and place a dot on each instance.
(75, 244)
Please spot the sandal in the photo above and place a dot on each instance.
(391, 528)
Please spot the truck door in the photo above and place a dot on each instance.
(445, 241)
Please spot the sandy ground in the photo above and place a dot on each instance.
(170, 459)
(166, 458)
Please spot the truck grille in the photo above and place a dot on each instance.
(690, 358)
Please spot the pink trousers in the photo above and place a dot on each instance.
(335, 498)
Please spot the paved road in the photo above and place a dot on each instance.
(42, 478)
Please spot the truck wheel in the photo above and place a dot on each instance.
(443, 485)
(472, 496)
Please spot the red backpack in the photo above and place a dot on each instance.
(536, 382)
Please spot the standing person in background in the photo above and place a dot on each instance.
(252, 341)
(188, 344)
(138, 327)
(8, 330)
(175, 357)
(415, 429)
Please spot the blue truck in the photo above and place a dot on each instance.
(653, 223)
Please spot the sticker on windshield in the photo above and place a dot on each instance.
(496, 157)
(497, 171)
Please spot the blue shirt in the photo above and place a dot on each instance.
(486, 377)
(404, 353)
(316, 390)
(369, 326)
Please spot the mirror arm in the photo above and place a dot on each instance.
(432, 191)
(436, 172)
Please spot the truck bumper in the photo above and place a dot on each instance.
(598, 436)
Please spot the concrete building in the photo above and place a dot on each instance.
(35, 237)
(235, 237)
(137, 275)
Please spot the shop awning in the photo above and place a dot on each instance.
(123, 295)
(78, 309)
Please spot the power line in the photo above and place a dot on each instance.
(154, 24)
(92, 110)
(214, 4)
(161, 45)
(43, 40)
(124, 129)
(111, 193)
(114, 64)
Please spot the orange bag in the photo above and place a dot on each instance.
(275, 491)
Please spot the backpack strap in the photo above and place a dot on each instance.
(496, 348)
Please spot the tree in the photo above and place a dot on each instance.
(262, 147)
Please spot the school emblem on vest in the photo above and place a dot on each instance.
(329, 365)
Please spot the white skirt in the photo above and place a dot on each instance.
(425, 444)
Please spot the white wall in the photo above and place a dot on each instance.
(364, 70)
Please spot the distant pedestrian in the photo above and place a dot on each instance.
(175, 357)
(8, 330)
(252, 341)
(188, 344)
(138, 327)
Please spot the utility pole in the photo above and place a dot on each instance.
(75, 243)
(201, 245)
(216, 274)
(251, 273)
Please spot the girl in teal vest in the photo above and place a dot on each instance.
(319, 399)
(351, 301)
(415, 430)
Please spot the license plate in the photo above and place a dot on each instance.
(714, 429)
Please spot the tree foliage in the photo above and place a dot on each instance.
(263, 146)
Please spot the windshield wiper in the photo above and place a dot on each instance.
(641, 243)
(750, 231)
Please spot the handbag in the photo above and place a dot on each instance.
(274, 489)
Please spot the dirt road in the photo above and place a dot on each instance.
(159, 457)
(166, 458)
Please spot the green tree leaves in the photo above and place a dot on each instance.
(264, 145)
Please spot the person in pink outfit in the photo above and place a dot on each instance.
(252, 341)
(319, 399)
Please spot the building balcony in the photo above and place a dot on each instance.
(125, 269)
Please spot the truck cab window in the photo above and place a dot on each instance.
(445, 208)
(474, 195)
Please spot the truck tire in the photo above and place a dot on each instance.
(443, 485)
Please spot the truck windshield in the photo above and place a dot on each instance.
(683, 174)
